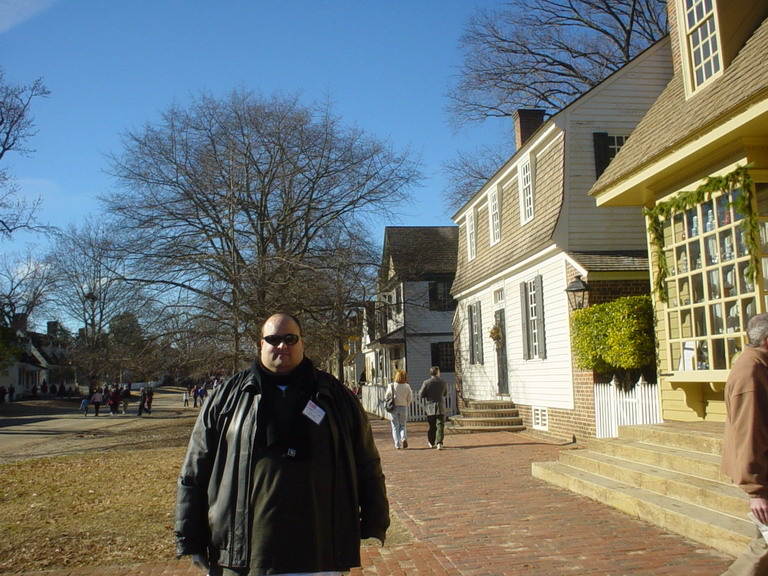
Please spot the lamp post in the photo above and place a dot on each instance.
(576, 291)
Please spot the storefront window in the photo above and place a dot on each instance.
(710, 296)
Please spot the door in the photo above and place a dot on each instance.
(501, 353)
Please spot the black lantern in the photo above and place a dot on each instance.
(576, 291)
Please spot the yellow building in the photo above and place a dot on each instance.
(698, 163)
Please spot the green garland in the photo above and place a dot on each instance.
(688, 199)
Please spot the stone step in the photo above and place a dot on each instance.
(484, 412)
(471, 428)
(719, 496)
(697, 437)
(700, 464)
(488, 420)
(724, 532)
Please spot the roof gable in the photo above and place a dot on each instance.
(414, 252)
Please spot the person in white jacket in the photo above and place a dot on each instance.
(403, 395)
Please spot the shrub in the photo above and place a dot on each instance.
(615, 336)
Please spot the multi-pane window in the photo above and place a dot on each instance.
(532, 310)
(474, 318)
(471, 244)
(443, 356)
(440, 298)
(525, 178)
(710, 294)
(606, 148)
(495, 215)
(703, 44)
(498, 297)
(614, 145)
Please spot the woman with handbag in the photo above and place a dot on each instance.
(401, 392)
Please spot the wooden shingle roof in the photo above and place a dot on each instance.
(420, 251)
(673, 120)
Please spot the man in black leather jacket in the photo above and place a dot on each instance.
(281, 474)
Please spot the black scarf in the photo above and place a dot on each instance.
(280, 425)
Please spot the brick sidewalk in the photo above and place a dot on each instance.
(475, 510)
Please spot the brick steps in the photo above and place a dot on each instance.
(486, 416)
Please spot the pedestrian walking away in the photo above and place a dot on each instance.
(434, 390)
(745, 441)
(401, 391)
(281, 474)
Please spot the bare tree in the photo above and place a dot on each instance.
(16, 128)
(231, 200)
(468, 172)
(539, 54)
(25, 285)
(91, 290)
(545, 53)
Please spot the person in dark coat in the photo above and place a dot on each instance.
(281, 475)
(434, 390)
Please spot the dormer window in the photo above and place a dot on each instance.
(471, 238)
(525, 183)
(494, 214)
(702, 41)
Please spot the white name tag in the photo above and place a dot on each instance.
(314, 412)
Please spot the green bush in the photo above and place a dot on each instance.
(617, 335)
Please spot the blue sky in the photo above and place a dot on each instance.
(114, 65)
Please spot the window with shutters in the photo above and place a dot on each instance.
(532, 313)
(443, 356)
(474, 317)
(606, 148)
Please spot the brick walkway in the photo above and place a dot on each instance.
(475, 510)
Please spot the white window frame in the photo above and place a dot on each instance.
(494, 215)
(471, 235)
(614, 145)
(525, 185)
(703, 49)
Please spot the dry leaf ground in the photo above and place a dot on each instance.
(108, 501)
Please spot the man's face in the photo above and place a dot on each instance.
(283, 357)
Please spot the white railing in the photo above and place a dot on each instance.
(615, 407)
(372, 398)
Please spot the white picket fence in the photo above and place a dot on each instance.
(615, 407)
(372, 398)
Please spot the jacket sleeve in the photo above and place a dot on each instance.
(749, 465)
(374, 505)
(191, 515)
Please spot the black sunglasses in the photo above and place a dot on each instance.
(276, 339)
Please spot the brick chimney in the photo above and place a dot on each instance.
(527, 121)
(19, 322)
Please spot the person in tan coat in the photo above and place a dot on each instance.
(745, 442)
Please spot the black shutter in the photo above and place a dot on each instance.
(433, 299)
(479, 334)
(601, 152)
(525, 319)
(540, 317)
(435, 354)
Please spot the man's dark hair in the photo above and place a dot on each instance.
(434, 371)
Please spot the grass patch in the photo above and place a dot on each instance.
(108, 501)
